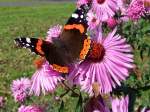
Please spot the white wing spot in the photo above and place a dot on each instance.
(75, 15)
(28, 40)
(81, 16)
(27, 44)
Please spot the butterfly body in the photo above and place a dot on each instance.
(64, 50)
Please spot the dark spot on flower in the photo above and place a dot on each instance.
(100, 1)
(94, 19)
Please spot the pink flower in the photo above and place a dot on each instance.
(20, 96)
(122, 6)
(145, 109)
(2, 101)
(112, 22)
(92, 20)
(104, 9)
(45, 79)
(107, 64)
(53, 32)
(22, 84)
(20, 89)
(30, 108)
(96, 104)
(81, 2)
(136, 10)
(120, 105)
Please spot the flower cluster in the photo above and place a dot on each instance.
(136, 9)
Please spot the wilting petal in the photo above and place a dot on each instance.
(96, 105)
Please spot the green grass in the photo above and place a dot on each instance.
(24, 21)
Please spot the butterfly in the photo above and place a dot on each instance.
(72, 44)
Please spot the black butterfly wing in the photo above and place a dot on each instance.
(73, 38)
(43, 48)
(29, 43)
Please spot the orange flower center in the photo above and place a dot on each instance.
(97, 52)
(100, 1)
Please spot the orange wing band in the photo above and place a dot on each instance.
(85, 50)
(61, 69)
(38, 47)
(79, 27)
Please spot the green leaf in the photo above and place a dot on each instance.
(61, 109)
(79, 104)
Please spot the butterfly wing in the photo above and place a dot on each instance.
(75, 30)
(30, 43)
(43, 48)
(66, 49)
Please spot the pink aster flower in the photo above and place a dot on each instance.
(45, 79)
(2, 101)
(81, 2)
(22, 84)
(20, 96)
(30, 108)
(104, 9)
(92, 20)
(136, 10)
(120, 105)
(112, 23)
(20, 89)
(107, 64)
(122, 6)
(96, 104)
(53, 32)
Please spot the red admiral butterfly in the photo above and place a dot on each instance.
(71, 46)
